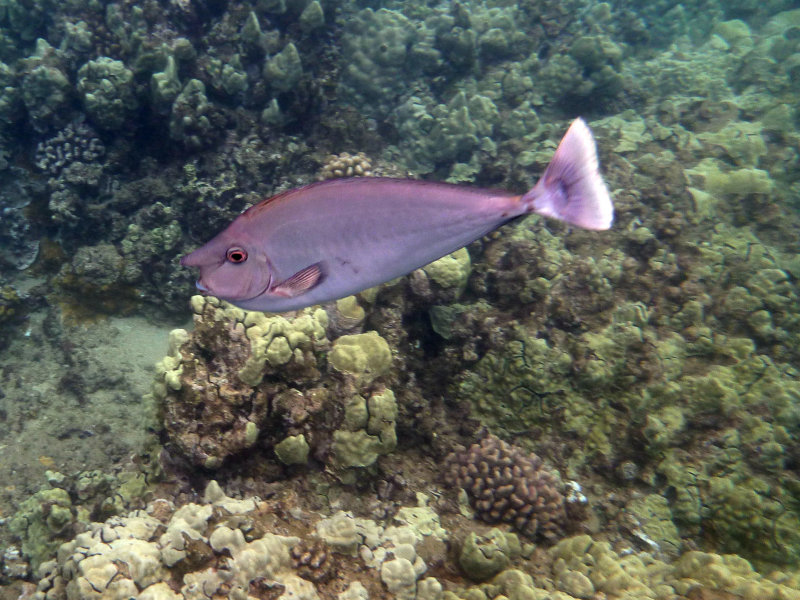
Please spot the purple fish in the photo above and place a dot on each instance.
(331, 239)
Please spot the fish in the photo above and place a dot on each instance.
(335, 238)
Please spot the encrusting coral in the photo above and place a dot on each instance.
(239, 351)
(132, 555)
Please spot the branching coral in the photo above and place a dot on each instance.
(346, 165)
(77, 142)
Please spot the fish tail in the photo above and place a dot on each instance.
(571, 188)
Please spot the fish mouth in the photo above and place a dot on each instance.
(199, 285)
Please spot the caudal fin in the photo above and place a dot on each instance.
(571, 188)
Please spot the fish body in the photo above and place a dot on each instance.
(331, 239)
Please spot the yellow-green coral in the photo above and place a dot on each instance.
(740, 511)
(169, 368)
(369, 430)
(583, 568)
(740, 141)
(712, 176)
(41, 521)
(655, 525)
(365, 355)
(729, 573)
(292, 450)
(486, 555)
(451, 271)
(275, 340)
(625, 576)
(350, 312)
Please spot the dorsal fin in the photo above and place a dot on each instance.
(349, 186)
(257, 208)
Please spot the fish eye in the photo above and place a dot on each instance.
(236, 255)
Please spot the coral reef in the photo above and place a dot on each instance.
(107, 92)
(263, 382)
(63, 508)
(368, 430)
(590, 70)
(656, 363)
(74, 159)
(223, 546)
(284, 70)
(95, 283)
(228, 547)
(43, 522)
(131, 555)
(372, 71)
(46, 94)
(484, 556)
(235, 409)
(192, 117)
(453, 131)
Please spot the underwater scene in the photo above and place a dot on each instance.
(544, 406)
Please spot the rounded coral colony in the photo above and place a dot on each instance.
(505, 484)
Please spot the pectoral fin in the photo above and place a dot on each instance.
(299, 283)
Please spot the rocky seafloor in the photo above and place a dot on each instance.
(547, 414)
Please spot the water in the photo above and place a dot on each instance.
(652, 369)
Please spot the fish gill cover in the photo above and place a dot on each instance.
(641, 385)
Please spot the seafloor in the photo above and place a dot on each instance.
(547, 414)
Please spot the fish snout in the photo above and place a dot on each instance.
(188, 261)
(212, 253)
